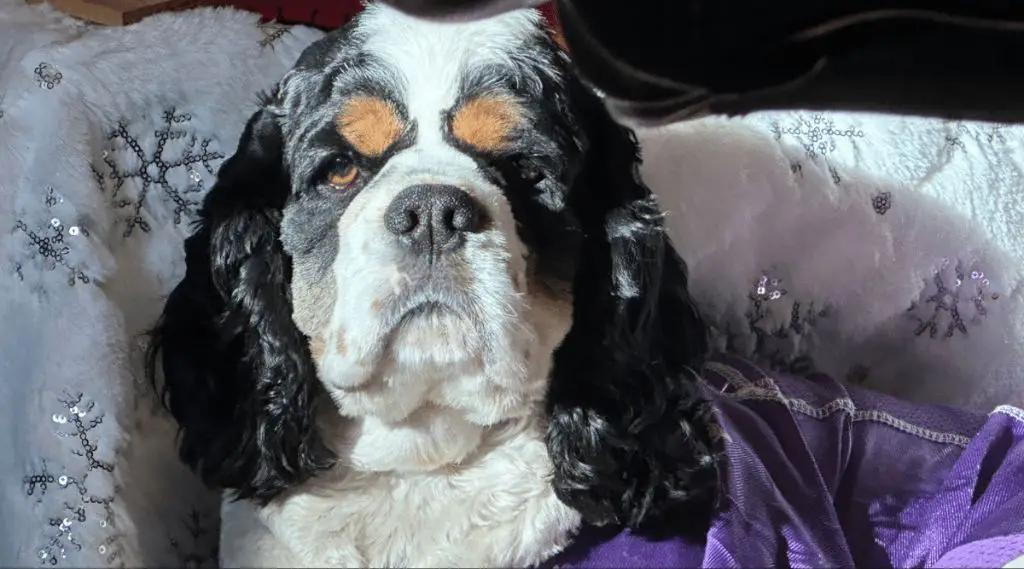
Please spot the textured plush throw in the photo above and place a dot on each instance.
(109, 138)
(885, 251)
(881, 250)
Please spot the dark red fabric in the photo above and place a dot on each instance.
(326, 14)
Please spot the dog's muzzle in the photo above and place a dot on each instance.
(432, 220)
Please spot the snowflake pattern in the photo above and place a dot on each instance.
(203, 551)
(995, 133)
(966, 140)
(834, 174)
(958, 298)
(765, 289)
(817, 134)
(954, 141)
(51, 244)
(992, 133)
(272, 31)
(881, 202)
(781, 346)
(47, 76)
(152, 172)
(75, 421)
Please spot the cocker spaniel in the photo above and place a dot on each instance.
(430, 316)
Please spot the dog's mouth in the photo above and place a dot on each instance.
(432, 301)
(430, 309)
(433, 326)
(442, 305)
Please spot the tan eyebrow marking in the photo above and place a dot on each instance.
(370, 124)
(487, 122)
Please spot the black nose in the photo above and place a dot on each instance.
(432, 219)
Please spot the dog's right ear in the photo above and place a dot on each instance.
(629, 431)
(236, 371)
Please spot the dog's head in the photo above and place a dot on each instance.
(428, 227)
(437, 215)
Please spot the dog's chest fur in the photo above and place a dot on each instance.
(497, 509)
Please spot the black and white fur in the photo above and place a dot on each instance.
(481, 408)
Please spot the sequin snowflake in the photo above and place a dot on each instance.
(50, 244)
(955, 298)
(881, 202)
(272, 31)
(202, 551)
(817, 135)
(765, 289)
(155, 169)
(954, 140)
(992, 133)
(75, 421)
(995, 133)
(1003, 168)
(47, 76)
(782, 345)
(833, 173)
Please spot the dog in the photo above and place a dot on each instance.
(430, 316)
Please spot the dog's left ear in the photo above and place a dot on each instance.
(629, 431)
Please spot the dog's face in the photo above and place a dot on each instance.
(431, 245)
(435, 215)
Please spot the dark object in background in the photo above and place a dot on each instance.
(661, 61)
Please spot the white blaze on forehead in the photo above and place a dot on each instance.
(432, 58)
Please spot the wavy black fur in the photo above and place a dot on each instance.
(629, 431)
(237, 374)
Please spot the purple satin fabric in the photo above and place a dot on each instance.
(823, 475)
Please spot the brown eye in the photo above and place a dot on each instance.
(344, 178)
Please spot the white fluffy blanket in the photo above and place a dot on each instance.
(108, 139)
(884, 250)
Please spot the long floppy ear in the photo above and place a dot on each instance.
(629, 432)
(237, 373)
